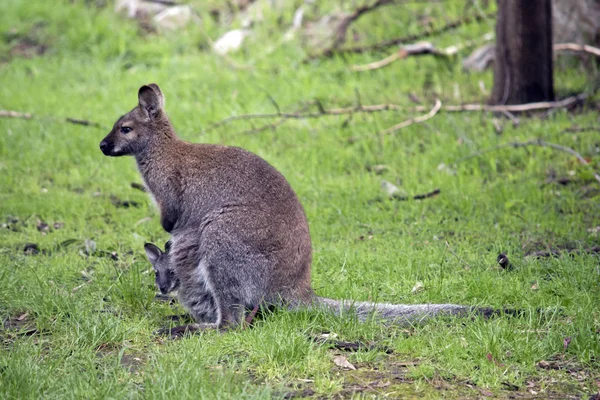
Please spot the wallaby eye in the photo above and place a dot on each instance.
(125, 130)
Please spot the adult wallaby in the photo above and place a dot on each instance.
(239, 233)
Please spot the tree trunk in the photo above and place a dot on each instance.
(523, 66)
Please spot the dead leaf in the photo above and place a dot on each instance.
(418, 287)
(22, 317)
(328, 335)
(535, 286)
(342, 362)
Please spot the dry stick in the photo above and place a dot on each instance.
(14, 114)
(275, 124)
(395, 107)
(395, 197)
(416, 120)
(301, 115)
(418, 49)
(577, 47)
(456, 255)
(22, 115)
(407, 39)
(533, 142)
(556, 252)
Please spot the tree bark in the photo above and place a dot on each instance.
(523, 66)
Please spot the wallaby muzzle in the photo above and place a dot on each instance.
(107, 147)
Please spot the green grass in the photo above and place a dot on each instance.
(95, 316)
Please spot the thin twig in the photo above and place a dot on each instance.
(14, 114)
(405, 39)
(456, 255)
(546, 105)
(69, 120)
(305, 115)
(275, 124)
(533, 142)
(578, 48)
(416, 120)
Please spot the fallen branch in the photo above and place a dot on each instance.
(578, 48)
(273, 125)
(534, 142)
(420, 49)
(405, 39)
(305, 115)
(416, 120)
(69, 120)
(558, 252)
(342, 28)
(546, 105)
(399, 197)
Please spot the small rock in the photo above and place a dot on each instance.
(231, 41)
(173, 18)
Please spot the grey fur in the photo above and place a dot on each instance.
(165, 278)
(239, 233)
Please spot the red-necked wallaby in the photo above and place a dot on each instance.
(239, 233)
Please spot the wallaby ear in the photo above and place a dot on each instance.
(151, 100)
(152, 252)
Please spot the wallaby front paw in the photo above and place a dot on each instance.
(175, 332)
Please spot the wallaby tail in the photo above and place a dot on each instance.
(409, 314)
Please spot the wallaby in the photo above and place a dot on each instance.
(240, 236)
(165, 278)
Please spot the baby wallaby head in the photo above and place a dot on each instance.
(166, 280)
(142, 126)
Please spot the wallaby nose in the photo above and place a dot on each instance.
(104, 146)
